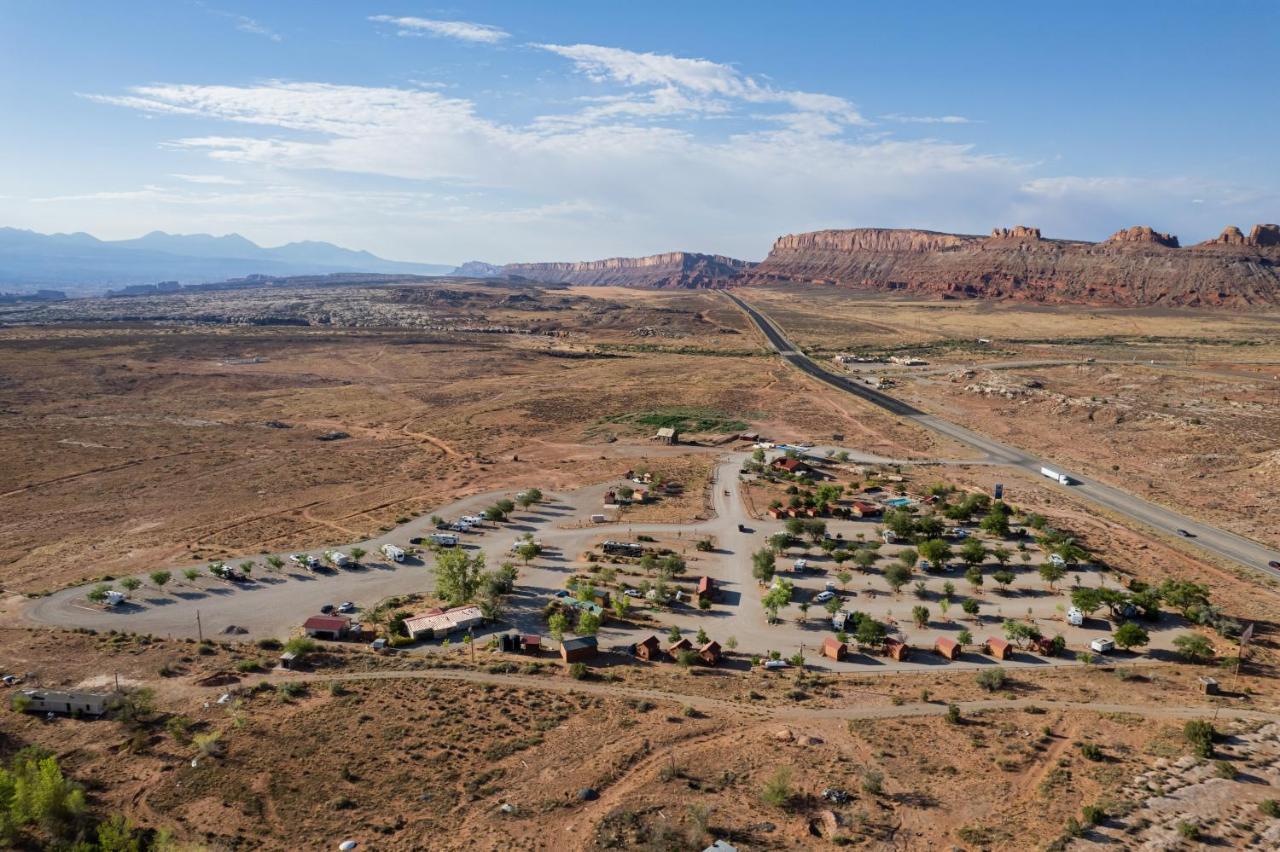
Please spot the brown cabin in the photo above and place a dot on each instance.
(649, 649)
(706, 589)
(998, 648)
(710, 653)
(945, 646)
(896, 649)
(578, 649)
(675, 648)
(834, 648)
(863, 509)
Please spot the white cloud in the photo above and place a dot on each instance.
(219, 180)
(462, 30)
(928, 119)
(249, 25)
(700, 78)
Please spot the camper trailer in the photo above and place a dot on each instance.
(444, 539)
(337, 558)
(392, 552)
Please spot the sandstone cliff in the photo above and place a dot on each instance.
(1135, 266)
(674, 269)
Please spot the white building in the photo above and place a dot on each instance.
(68, 701)
(437, 624)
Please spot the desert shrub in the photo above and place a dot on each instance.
(777, 790)
(1269, 807)
(953, 714)
(1224, 769)
(248, 666)
(293, 689)
(578, 671)
(1199, 734)
(873, 782)
(1091, 751)
(1189, 830)
(1093, 814)
(992, 679)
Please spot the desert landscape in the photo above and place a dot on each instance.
(670, 427)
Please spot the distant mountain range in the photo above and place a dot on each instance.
(82, 264)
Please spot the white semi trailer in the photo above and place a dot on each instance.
(1060, 478)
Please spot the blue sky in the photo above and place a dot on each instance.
(521, 131)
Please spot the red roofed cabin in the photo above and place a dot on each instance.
(791, 465)
(998, 648)
(945, 646)
(863, 509)
(710, 652)
(649, 649)
(896, 649)
(326, 626)
(834, 648)
(706, 589)
(676, 647)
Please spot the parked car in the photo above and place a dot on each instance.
(632, 593)
(9, 680)
(378, 644)
(1274, 564)
(776, 664)
(346, 606)
(1184, 533)
(823, 597)
(960, 532)
(801, 565)
(1055, 559)
(830, 587)
(743, 528)
(926, 565)
(327, 609)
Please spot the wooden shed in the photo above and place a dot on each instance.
(578, 649)
(710, 653)
(945, 646)
(834, 648)
(676, 647)
(706, 589)
(998, 648)
(896, 649)
(649, 649)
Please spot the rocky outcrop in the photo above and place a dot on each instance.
(674, 269)
(1143, 234)
(1262, 236)
(477, 269)
(1135, 266)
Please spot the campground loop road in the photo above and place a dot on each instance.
(1208, 538)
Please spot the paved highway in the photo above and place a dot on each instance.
(1208, 538)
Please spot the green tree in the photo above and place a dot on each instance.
(970, 607)
(621, 607)
(1087, 600)
(901, 522)
(936, 551)
(190, 574)
(300, 646)
(1020, 632)
(161, 578)
(1194, 648)
(865, 558)
(1130, 635)
(948, 590)
(897, 575)
(1001, 554)
(673, 634)
(996, 521)
(973, 577)
(964, 637)
(39, 794)
(98, 593)
(556, 626)
(458, 575)
(275, 563)
(775, 599)
(246, 567)
(869, 632)
(843, 578)
(1052, 573)
(130, 584)
(973, 552)
(358, 553)
(920, 615)
(588, 624)
(528, 551)
(1004, 579)
(908, 557)
(763, 564)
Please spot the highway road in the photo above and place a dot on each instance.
(1205, 537)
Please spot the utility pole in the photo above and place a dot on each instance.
(199, 627)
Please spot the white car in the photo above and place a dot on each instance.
(776, 664)
(1055, 559)
(346, 606)
(800, 564)
(632, 593)
(831, 587)
(304, 560)
(823, 597)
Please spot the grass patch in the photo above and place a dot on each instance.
(683, 419)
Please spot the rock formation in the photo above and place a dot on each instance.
(674, 269)
(1135, 266)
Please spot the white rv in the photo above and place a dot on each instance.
(1075, 617)
(115, 598)
(444, 539)
(337, 558)
(392, 552)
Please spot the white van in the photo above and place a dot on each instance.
(392, 552)
(115, 598)
(444, 539)
(1075, 617)
(1055, 559)
(1103, 646)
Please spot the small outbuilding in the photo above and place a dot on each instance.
(668, 435)
(674, 649)
(532, 643)
(578, 649)
(1208, 685)
(790, 465)
(69, 702)
(945, 646)
(326, 626)
(706, 589)
(863, 509)
(650, 649)
(710, 653)
(896, 649)
(834, 648)
(998, 648)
